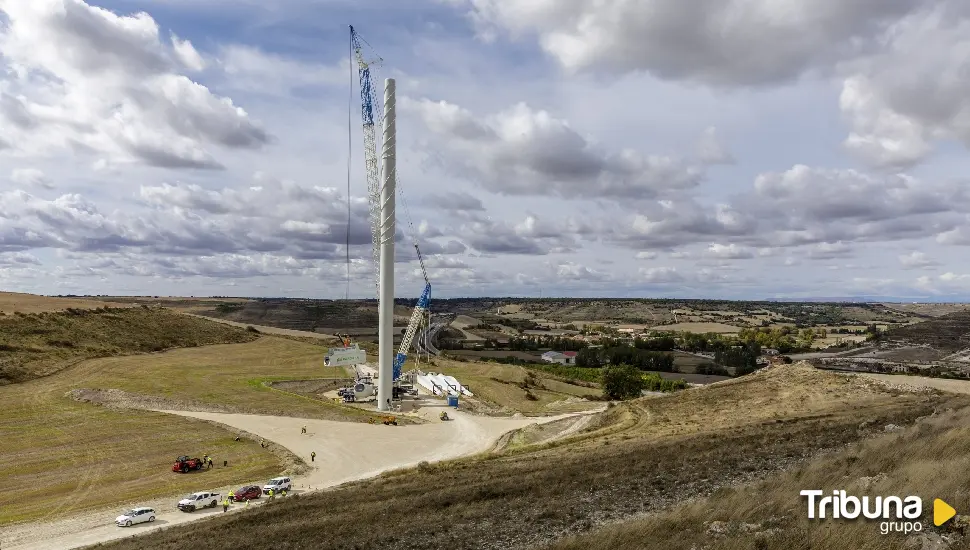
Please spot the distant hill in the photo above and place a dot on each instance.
(39, 344)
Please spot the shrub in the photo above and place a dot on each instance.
(622, 382)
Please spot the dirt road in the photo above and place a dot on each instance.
(345, 452)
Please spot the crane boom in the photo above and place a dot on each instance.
(416, 317)
(370, 104)
(369, 101)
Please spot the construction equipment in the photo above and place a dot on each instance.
(362, 389)
(371, 106)
(184, 464)
(389, 420)
(369, 103)
(416, 319)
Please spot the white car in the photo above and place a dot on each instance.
(203, 499)
(277, 484)
(135, 515)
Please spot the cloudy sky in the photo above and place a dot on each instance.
(696, 148)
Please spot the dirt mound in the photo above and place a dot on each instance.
(802, 375)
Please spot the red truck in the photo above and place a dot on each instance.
(184, 464)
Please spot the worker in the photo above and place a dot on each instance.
(271, 496)
(210, 462)
(225, 504)
(304, 429)
(283, 493)
(232, 495)
(262, 443)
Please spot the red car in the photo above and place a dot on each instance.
(249, 492)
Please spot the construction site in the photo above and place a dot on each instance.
(171, 422)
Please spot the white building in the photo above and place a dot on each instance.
(563, 358)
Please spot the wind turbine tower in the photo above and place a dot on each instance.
(385, 332)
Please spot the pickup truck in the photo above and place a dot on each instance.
(277, 484)
(202, 499)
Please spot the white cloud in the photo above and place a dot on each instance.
(136, 156)
(722, 42)
(729, 252)
(917, 260)
(94, 82)
(885, 97)
(711, 150)
(524, 151)
(187, 55)
(31, 177)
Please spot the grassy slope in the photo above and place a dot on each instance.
(13, 302)
(39, 344)
(51, 441)
(928, 460)
(497, 384)
(227, 377)
(656, 452)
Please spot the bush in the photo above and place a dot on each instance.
(654, 382)
(622, 382)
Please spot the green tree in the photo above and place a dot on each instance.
(622, 382)
(588, 358)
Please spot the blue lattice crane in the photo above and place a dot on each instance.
(370, 102)
(419, 310)
(371, 116)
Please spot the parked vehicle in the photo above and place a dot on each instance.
(203, 499)
(249, 492)
(277, 484)
(184, 464)
(135, 515)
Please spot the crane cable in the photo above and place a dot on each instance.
(350, 141)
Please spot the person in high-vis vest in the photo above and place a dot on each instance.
(232, 496)
(313, 456)
(225, 504)
(271, 494)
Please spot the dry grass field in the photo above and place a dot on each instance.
(720, 328)
(66, 456)
(39, 344)
(928, 460)
(641, 457)
(499, 387)
(12, 302)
